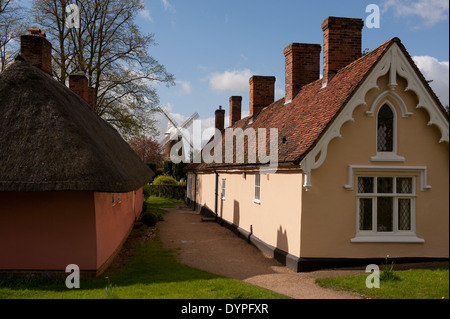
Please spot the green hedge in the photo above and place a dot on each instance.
(168, 191)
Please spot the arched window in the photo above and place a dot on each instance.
(385, 130)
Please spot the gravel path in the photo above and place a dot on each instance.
(210, 247)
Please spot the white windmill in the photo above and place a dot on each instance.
(174, 133)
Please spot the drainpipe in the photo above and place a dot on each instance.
(195, 192)
(216, 194)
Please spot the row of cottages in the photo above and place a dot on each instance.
(363, 159)
(70, 186)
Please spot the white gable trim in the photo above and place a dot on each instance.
(397, 99)
(393, 62)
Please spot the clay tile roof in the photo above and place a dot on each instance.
(52, 140)
(302, 122)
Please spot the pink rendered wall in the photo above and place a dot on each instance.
(47, 230)
(113, 221)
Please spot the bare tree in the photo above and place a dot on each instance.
(113, 53)
(11, 27)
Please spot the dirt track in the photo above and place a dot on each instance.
(210, 247)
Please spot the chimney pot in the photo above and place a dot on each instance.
(262, 93)
(37, 50)
(220, 119)
(235, 109)
(302, 67)
(78, 83)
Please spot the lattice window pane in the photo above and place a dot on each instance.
(365, 185)
(404, 214)
(365, 214)
(404, 186)
(385, 185)
(385, 131)
(385, 214)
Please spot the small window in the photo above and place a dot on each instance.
(385, 130)
(224, 186)
(257, 188)
(113, 200)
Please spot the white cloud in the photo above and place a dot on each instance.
(145, 13)
(438, 72)
(167, 5)
(431, 11)
(237, 80)
(185, 87)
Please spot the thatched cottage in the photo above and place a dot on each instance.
(70, 186)
(362, 163)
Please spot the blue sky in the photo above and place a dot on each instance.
(214, 46)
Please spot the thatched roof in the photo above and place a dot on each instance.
(52, 140)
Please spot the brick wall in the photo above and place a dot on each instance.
(235, 109)
(37, 50)
(220, 119)
(342, 44)
(302, 67)
(262, 93)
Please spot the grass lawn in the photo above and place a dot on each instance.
(408, 284)
(156, 205)
(151, 272)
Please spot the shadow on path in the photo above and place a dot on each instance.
(210, 247)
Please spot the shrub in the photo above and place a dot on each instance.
(165, 180)
(149, 219)
(146, 191)
(144, 206)
(169, 191)
(168, 168)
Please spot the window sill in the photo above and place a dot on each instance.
(388, 239)
(257, 201)
(387, 157)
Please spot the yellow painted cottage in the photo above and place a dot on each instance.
(363, 159)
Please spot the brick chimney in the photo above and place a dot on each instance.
(78, 83)
(341, 44)
(92, 97)
(37, 50)
(302, 67)
(220, 119)
(235, 109)
(262, 93)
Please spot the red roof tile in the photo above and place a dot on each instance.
(302, 122)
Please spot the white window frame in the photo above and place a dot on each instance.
(399, 236)
(224, 188)
(387, 156)
(257, 199)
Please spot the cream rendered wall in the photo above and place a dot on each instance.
(329, 211)
(275, 220)
(206, 190)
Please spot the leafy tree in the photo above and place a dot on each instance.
(175, 170)
(148, 150)
(113, 53)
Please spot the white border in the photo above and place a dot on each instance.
(388, 169)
